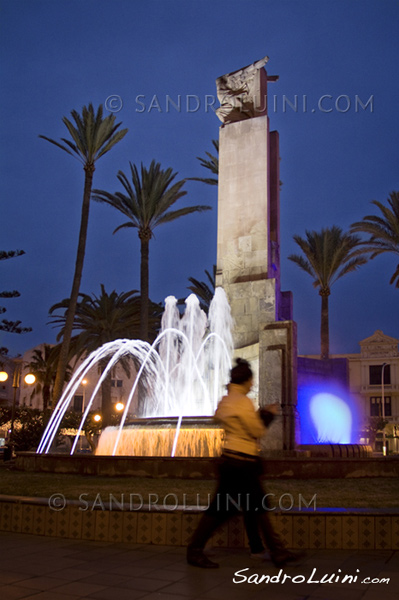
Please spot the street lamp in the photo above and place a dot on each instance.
(384, 447)
(29, 379)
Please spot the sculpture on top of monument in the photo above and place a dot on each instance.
(241, 93)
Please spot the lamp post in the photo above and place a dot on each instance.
(384, 447)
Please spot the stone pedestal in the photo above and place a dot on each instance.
(278, 382)
(248, 261)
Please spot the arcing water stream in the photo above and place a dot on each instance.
(183, 372)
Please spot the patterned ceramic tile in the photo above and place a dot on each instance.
(158, 528)
(50, 527)
(102, 524)
(115, 529)
(144, 528)
(220, 538)
(189, 525)
(300, 532)
(39, 520)
(88, 525)
(317, 531)
(236, 531)
(333, 532)
(6, 516)
(174, 528)
(395, 533)
(350, 532)
(16, 517)
(366, 533)
(129, 527)
(284, 525)
(63, 523)
(75, 523)
(383, 537)
(28, 511)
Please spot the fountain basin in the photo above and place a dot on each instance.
(195, 437)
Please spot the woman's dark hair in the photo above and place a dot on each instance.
(241, 372)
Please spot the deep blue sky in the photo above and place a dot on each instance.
(58, 56)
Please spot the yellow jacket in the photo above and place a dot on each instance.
(241, 422)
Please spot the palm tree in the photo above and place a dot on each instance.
(383, 231)
(204, 290)
(146, 204)
(92, 137)
(212, 164)
(101, 319)
(43, 366)
(328, 256)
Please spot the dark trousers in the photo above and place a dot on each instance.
(239, 490)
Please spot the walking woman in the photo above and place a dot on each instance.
(239, 486)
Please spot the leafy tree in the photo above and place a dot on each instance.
(372, 427)
(92, 137)
(146, 204)
(44, 367)
(5, 325)
(204, 290)
(383, 231)
(327, 256)
(212, 164)
(28, 427)
(101, 319)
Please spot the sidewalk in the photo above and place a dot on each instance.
(46, 568)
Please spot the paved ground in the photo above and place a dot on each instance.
(44, 568)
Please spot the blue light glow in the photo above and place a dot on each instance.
(332, 419)
(327, 414)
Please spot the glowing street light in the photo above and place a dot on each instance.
(119, 406)
(3, 376)
(97, 418)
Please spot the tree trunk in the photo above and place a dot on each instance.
(64, 351)
(324, 329)
(46, 397)
(145, 236)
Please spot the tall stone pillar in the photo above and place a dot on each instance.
(248, 261)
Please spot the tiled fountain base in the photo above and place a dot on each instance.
(322, 529)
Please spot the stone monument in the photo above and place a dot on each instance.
(248, 248)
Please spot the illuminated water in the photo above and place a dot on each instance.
(332, 418)
(139, 440)
(183, 373)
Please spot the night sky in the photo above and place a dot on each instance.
(339, 148)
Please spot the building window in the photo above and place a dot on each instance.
(77, 403)
(376, 406)
(375, 372)
(116, 383)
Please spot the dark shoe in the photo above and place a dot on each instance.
(197, 558)
(282, 557)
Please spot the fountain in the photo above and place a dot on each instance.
(183, 374)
